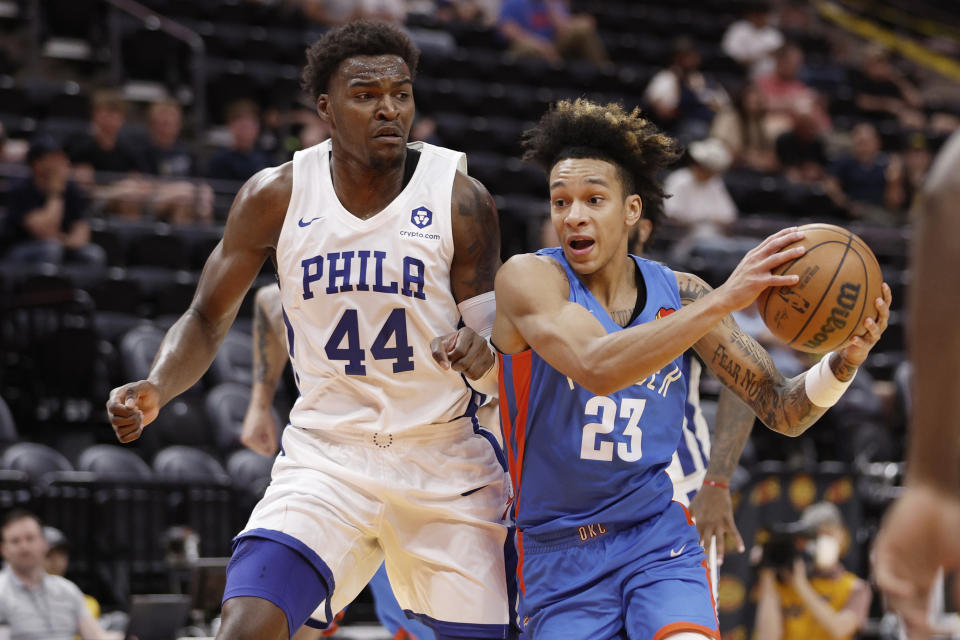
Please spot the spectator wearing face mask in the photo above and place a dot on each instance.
(822, 602)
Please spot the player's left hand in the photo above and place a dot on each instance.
(465, 351)
(713, 514)
(857, 348)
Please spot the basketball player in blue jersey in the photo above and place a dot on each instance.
(592, 389)
(379, 248)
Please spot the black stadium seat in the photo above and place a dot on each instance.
(113, 461)
(8, 427)
(184, 464)
(35, 460)
(233, 362)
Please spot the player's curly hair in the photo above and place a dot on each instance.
(358, 38)
(585, 129)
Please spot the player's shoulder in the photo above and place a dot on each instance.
(257, 214)
(529, 273)
(692, 287)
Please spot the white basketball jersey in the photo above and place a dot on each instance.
(362, 299)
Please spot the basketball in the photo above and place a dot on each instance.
(839, 280)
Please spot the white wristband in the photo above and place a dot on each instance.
(489, 383)
(822, 387)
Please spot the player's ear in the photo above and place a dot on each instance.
(323, 107)
(634, 209)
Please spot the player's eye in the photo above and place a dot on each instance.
(559, 202)
(596, 199)
(403, 95)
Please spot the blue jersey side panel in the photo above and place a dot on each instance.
(577, 458)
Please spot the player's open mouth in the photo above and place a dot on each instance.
(580, 246)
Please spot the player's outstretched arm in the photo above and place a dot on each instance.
(711, 508)
(190, 345)
(904, 569)
(747, 369)
(533, 311)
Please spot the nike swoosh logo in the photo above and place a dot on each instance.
(674, 554)
(307, 223)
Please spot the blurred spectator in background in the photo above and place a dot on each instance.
(698, 198)
(742, 127)
(801, 151)
(917, 158)
(242, 159)
(34, 603)
(481, 12)
(337, 12)
(752, 41)
(547, 30)
(867, 182)
(786, 94)
(880, 89)
(682, 99)
(167, 156)
(58, 561)
(829, 604)
(46, 212)
(104, 150)
(3, 143)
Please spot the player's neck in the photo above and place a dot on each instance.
(363, 190)
(614, 285)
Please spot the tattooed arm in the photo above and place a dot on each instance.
(476, 258)
(711, 508)
(476, 239)
(269, 360)
(747, 369)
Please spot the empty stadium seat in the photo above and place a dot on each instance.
(249, 470)
(34, 459)
(185, 464)
(8, 427)
(233, 362)
(109, 460)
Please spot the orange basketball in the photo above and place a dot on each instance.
(839, 280)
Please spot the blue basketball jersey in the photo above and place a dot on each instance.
(576, 458)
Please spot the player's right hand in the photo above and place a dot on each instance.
(712, 512)
(918, 536)
(753, 274)
(132, 407)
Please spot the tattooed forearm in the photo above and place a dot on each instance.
(731, 432)
(746, 368)
(476, 238)
(842, 368)
(269, 354)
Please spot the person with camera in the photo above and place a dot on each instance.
(824, 601)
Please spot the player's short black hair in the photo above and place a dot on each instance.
(358, 38)
(584, 129)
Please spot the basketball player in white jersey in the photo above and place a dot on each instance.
(378, 250)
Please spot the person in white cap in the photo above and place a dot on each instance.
(698, 197)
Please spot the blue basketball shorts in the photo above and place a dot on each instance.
(638, 582)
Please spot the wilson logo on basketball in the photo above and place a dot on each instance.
(846, 301)
(664, 312)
